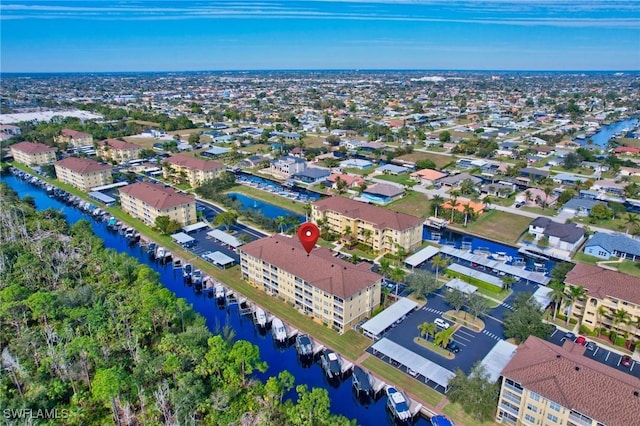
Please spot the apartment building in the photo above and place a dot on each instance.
(147, 201)
(83, 173)
(118, 151)
(74, 138)
(382, 229)
(607, 292)
(196, 171)
(328, 288)
(546, 384)
(33, 154)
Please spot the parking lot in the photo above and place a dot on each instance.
(599, 353)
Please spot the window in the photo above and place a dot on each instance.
(552, 418)
(534, 396)
(555, 406)
(530, 418)
(532, 407)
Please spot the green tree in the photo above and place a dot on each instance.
(508, 281)
(525, 320)
(194, 139)
(453, 203)
(476, 393)
(166, 225)
(444, 136)
(422, 283)
(455, 298)
(436, 202)
(575, 293)
(443, 337)
(632, 221)
(557, 296)
(427, 329)
(226, 219)
(425, 164)
(438, 262)
(397, 275)
(477, 305)
(600, 212)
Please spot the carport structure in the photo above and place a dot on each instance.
(470, 272)
(225, 238)
(194, 227)
(458, 284)
(182, 239)
(421, 256)
(431, 371)
(219, 259)
(385, 319)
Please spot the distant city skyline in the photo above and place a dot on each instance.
(521, 35)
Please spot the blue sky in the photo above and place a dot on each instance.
(145, 35)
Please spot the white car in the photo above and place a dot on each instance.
(442, 323)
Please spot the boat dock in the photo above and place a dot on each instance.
(317, 348)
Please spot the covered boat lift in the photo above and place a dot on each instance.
(429, 370)
(385, 319)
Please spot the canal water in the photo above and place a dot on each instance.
(602, 137)
(269, 210)
(294, 191)
(343, 399)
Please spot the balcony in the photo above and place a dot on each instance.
(512, 388)
(579, 419)
(508, 408)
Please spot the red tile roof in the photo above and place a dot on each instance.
(117, 144)
(320, 268)
(74, 133)
(156, 195)
(564, 375)
(193, 163)
(600, 282)
(381, 217)
(81, 165)
(32, 148)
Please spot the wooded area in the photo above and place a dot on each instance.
(92, 333)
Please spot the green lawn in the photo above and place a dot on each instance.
(457, 414)
(413, 203)
(402, 179)
(361, 172)
(499, 226)
(439, 159)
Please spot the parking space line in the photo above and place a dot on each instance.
(462, 338)
(459, 343)
(554, 332)
(632, 364)
(595, 352)
(466, 333)
(607, 357)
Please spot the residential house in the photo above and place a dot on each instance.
(7, 131)
(351, 181)
(547, 384)
(629, 171)
(33, 154)
(382, 193)
(254, 161)
(499, 189)
(380, 228)
(146, 201)
(608, 186)
(74, 138)
(533, 173)
(477, 208)
(605, 246)
(286, 135)
(607, 291)
(117, 150)
(83, 173)
(427, 177)
(536, 197)
(454, 181)
(391, 169)
(564, 236)
(580, 207)
(333, 291)
(312, 175)
(355, 163)
(196, 171)
(568, 179)
(288, 166)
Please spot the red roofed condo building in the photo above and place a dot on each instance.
(547, 384)
(380, 228)
(147, 201)
(118, 151)
(33, 154)
(196, 171)
(328, 288)
(607, 293)
(74, 138)
(83, 173)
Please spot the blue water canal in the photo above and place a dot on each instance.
(602, 137)
(343, 399)
(269, 210)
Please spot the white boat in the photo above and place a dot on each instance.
(436, 222)
(261, 317)
(279, 330)
(398, 403)
(220, 292)
(331, 364)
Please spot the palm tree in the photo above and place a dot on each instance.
(487, 201)
(620, 316)
(438, 261)
(575, 294)
(385, 267)
(444, 337)
(601, 312)
(281, 221)
(427, 329)
(547, 191)
(508, 281)
(437, 201)
(367, 234)
(453, 202)
(468, 210)
(527, 194)
(397, 275)
(632, 221)
(557, 296)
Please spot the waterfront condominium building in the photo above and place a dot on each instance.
(546, 384)
(611, 303)
(74, 138)
(83, 173)
(196, 171)
(331, 290)
(374, 226)
(147, 201)
(33, 154)
(118, 151)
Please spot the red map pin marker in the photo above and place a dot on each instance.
(308, 234)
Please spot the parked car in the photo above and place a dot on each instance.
(442, 323)
(581, 340)
(453, 347)
(591, 346)
(625, 361)
(569, 336)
